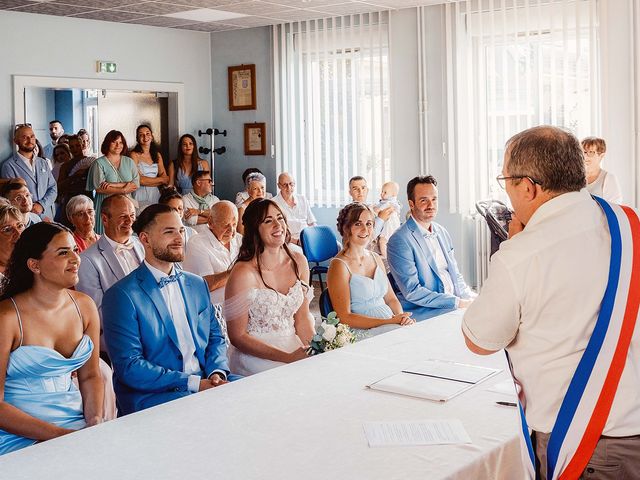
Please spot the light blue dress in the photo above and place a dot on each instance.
(147, 195)
(38, 382)
(367, 298)
(183, 181)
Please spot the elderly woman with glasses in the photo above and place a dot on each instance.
(82, 216)
(599, 182)
(11, 226)
(256, 184)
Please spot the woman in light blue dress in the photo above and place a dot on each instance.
(358, 286)
(187, 162)
(150, 168)
(112, 173)
(47, 331)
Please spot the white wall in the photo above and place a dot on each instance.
(29, 47)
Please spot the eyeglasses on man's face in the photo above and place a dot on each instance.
(502, 180)
(591, 153)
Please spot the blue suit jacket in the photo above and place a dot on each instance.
(143, 343)
(41, 184)
(414, 270)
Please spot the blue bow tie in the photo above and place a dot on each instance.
(164, 281)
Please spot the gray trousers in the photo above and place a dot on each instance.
(613, 458)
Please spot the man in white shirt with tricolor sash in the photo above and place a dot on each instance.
(562, 299)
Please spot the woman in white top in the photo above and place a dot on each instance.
(599, 182)
(267, 295)
(150, 167)
(256, 188)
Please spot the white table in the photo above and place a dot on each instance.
(301, 421)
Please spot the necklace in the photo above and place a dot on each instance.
(278, 264)
(358, 259)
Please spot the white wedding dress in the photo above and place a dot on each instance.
(271, 321)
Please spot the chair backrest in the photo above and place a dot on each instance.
(319, 243)
(325, 303)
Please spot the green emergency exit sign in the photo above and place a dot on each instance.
(107, 67)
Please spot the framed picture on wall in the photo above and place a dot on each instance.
(242, 87)
(255, 138)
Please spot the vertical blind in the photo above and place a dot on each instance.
(331, 78)
(511, 65)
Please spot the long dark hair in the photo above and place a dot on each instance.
(31, 244)
(252, 245)
(195, 158)
(153, 148)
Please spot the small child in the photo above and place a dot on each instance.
(388, 198)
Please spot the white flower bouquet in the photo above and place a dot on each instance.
(331, 334)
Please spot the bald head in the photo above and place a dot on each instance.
(223, 220)
(286, 184)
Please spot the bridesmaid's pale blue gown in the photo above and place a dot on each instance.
(38, 382)
(367, 298)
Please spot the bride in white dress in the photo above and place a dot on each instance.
(267, 295)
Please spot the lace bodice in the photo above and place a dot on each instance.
(271, 312)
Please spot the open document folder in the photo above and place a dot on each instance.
(436, 380)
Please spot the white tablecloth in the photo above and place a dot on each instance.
(301, 421)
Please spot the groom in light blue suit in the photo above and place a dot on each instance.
(159, 325)
(421, 259)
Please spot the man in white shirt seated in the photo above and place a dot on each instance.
(555, 299)
(295, 206)
(359, 191)
(116, 253)
(198, 203)
(18, 194)
(211, 253)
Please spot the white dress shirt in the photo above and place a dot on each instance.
(190, 202)
(541, 301)
(207, 256)
(31, 164)
(298, 216)
(432, 242)
(172, 295)
(125, 254)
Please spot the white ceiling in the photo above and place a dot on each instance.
(165, 13)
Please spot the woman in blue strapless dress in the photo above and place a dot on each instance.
(46, 332)
(358, 286)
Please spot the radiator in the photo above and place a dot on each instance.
(482, 249)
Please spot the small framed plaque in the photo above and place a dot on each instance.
(255, 138)
(242, 87)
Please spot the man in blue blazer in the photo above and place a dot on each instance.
(159, 325)
(420, 255)
(34, 170)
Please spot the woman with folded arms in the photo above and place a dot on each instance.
(359, 289)
(150, 167)
(114, 172)
(47, 331)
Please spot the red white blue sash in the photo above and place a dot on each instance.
(586, 405)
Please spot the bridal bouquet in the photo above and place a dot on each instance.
(330, 334)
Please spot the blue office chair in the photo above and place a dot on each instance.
(325, 303)
(319, 244)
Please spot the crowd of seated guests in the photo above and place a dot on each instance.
(136, 236)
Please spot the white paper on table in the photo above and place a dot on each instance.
(421, 432)
(506, 387)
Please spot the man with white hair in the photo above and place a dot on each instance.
(211, 253)
(295, 206)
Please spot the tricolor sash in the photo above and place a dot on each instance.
(587, 403)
